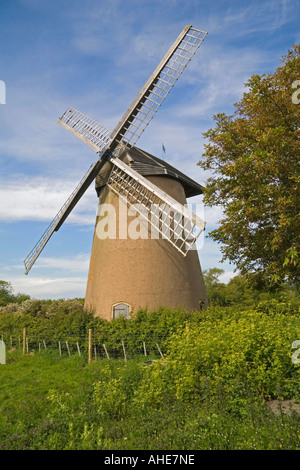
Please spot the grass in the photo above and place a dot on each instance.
(50, 402)
(24, 388)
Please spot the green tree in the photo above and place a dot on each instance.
(216, 290)
(240, 292)
(7, 296)
(253, 157)
(6, 293)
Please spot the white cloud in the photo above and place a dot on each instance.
(79, 263)
(227, 276)
(248, 19)
(213, 216)
(46, 288)
(51, 277)
(39, 198)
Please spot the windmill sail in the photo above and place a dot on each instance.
(129, 129)
(146, 103)
(62, 214)
(156, 89)
(93, 134)
(175, 222)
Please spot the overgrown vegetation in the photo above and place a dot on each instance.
(253, 160)
(222, 368)
(241, 292)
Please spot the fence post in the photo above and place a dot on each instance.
(90, 346)
(125, 358)
(105, 351)
(24, 341)
(2, 352)
(159, 351)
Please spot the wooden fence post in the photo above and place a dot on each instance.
(105, 351)
(125, 358)
(159, 351)
(24, 341)
(2, 352)
(90, 346)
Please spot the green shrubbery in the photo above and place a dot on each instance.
(249, 352)
(242, 291)
(220, 369)
(65, 320)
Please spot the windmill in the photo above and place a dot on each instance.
(127, 273)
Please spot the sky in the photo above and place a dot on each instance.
(96, 55)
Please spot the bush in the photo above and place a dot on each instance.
(234, 353)
(209, 391)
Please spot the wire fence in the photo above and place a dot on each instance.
(87, 345)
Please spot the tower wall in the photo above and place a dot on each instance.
(141, 272)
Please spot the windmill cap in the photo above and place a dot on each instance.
(149, 165)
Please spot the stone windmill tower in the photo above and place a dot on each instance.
(143, 252)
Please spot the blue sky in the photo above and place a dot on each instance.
(96, 55)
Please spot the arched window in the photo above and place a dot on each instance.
(121, 310)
